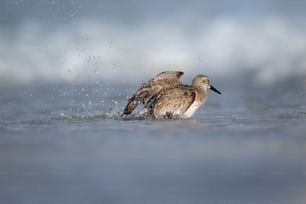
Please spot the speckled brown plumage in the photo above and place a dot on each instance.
(150, 88)
(180, 101)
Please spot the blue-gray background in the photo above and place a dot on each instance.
(74, 40)
(67, 68)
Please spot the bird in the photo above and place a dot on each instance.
(150, 88)
(180, 101)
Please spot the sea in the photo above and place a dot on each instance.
(66, 143)
(67, 69)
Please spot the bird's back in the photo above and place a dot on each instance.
(172, 102)
(151, 88)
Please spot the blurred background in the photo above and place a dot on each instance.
(84, 40)
(67, 68)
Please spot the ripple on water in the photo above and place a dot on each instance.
(87, 117)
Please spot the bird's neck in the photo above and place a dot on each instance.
(201, 94)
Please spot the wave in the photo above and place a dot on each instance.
(92, 50)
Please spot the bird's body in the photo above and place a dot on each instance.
(181, 101)
(150, 88)
(166, 99)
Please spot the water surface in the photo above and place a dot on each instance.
(65, 143)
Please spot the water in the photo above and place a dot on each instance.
(65, 74)
(86, 40)
(64, 143)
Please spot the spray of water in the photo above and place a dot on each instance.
(272, 48)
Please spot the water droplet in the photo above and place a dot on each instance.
(115, 102)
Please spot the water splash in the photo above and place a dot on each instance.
(272, 48)
(109, 115)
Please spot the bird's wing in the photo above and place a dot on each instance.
(152, 87)
(169, 75)
(175, 100)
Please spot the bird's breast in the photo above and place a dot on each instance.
(192, 109)
(199, 100)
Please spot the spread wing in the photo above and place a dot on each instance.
(150, 88)
(173, 101)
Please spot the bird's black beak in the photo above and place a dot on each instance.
(214, 89)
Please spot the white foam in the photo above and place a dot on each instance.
(273, 48)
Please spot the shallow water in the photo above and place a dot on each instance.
(67, 144)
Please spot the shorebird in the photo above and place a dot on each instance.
(180, 101)
(150, 88)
